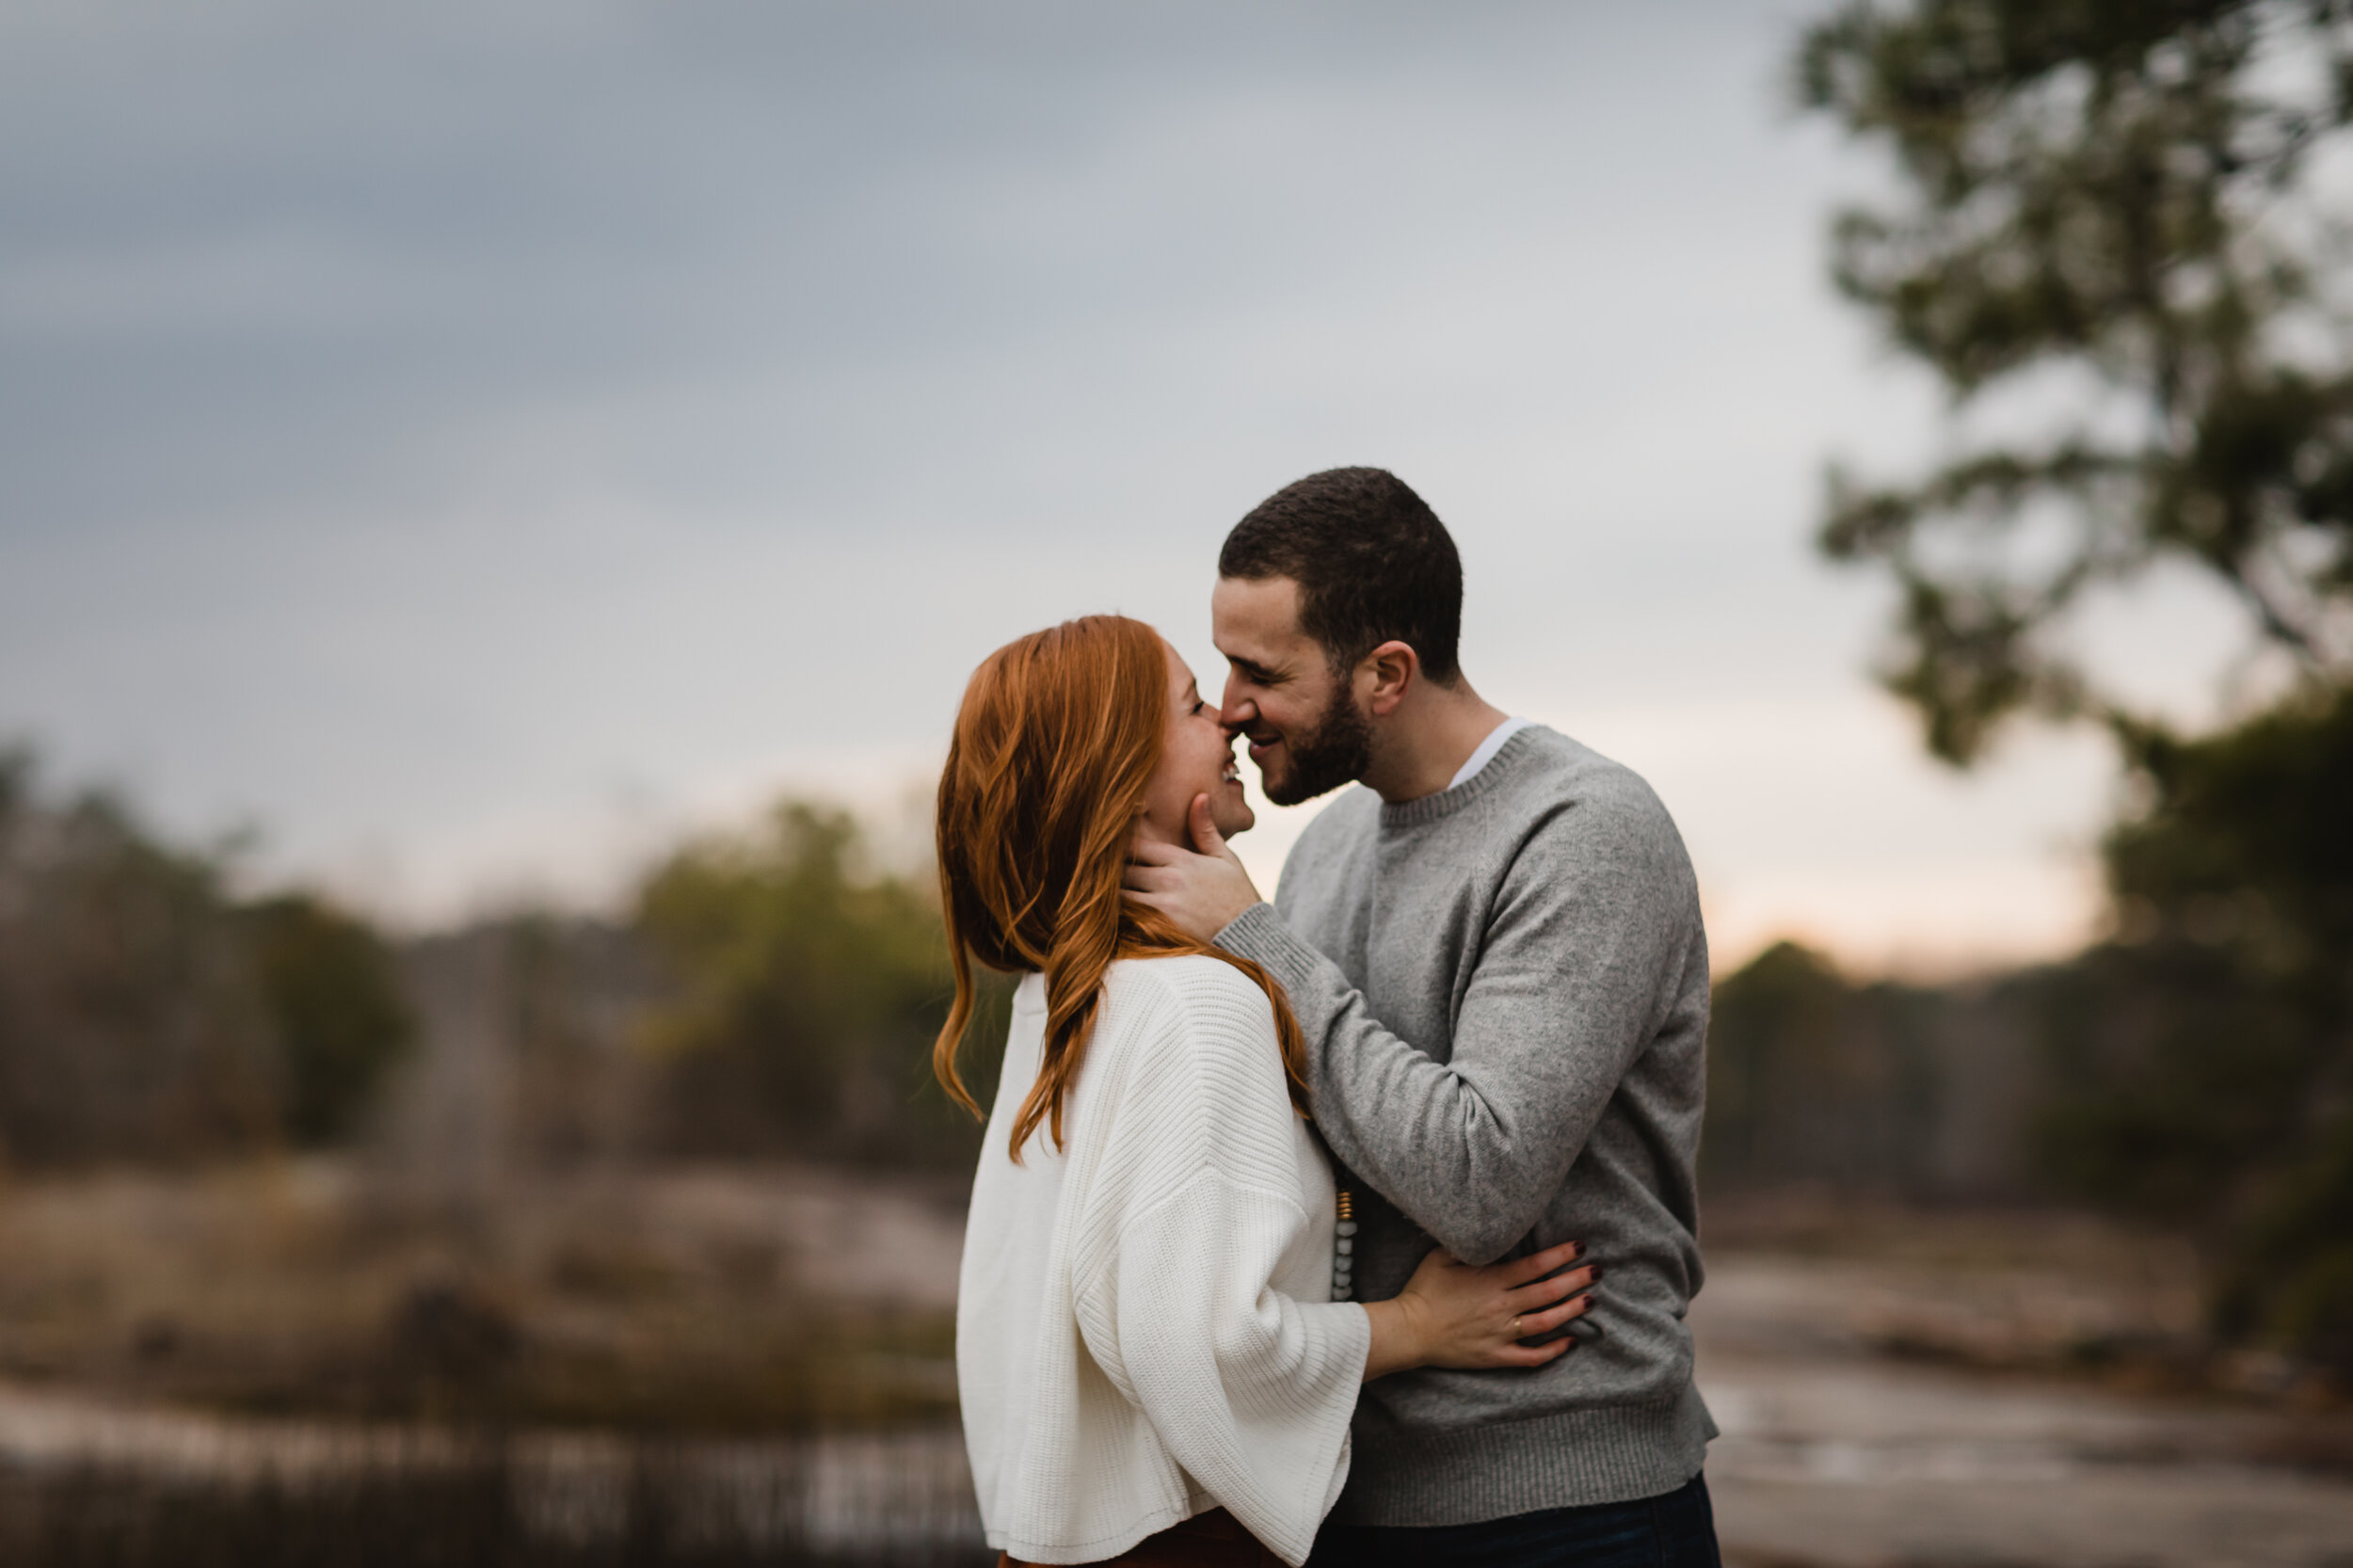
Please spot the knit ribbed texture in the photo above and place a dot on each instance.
(1144, 1322)
(1504, 990)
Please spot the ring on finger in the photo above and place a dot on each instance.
(1514, 1332)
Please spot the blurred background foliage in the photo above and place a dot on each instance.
(2194, 1069)
(769, 993)
(146, 1015)
(810, 989)
(2111, 212)
(2109, 207)
(328, 986)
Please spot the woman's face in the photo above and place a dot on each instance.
(1197, 759)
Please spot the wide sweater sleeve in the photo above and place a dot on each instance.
(1187, 1220)
(1586, 943)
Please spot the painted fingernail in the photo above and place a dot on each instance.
(1577, 1250)
(1594, 1274)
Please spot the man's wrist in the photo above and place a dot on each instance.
(1234, 921)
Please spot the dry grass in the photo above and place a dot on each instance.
(758, 1300)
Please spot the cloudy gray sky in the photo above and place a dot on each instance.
(472, 441)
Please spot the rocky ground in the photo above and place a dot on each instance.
(1835, 1454)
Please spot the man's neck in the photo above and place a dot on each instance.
(1427, 740)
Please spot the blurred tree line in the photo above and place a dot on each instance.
(768, 994)
(2107, 233)
(146, 1013)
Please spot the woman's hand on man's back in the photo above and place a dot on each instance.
(1453, 1315)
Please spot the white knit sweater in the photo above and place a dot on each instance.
(1145, 1328)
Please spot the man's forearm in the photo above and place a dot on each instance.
(1470, 1151)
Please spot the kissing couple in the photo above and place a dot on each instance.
(1358, 1228)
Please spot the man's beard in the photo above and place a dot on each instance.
(1334, 752)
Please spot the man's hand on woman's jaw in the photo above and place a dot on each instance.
(1202, 892)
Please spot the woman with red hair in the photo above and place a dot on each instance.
(1157, 1358)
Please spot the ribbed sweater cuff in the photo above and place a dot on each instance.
(1259, 934)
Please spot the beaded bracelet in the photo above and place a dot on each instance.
(1344, 1244)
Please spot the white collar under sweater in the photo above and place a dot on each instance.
(1486, 750)
(1144, 1322)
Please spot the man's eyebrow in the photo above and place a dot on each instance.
(1257, 672)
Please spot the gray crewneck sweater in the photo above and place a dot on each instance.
(1504, 992)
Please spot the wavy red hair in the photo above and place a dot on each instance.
(1059, 734)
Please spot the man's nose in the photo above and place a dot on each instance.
(1236, 715)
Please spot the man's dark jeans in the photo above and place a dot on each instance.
(1676, 1530)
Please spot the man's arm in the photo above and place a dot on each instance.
(1582, 957)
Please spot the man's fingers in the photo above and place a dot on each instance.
(1205, 838)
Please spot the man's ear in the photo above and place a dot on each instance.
(1386, 675)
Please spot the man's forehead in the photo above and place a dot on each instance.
(1263, 611)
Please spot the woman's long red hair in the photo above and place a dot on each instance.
(1058, 736)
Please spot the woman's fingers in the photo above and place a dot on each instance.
(1537, 1264)
(1531, 1356)
(1544, 1291)
(1544, 1305)
(1534, 1323)
(1538, 1355)
(1484, 1315)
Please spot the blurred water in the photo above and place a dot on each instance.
(899, 1498)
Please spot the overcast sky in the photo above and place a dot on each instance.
(473, 443)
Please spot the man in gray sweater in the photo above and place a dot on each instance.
(1494, 949)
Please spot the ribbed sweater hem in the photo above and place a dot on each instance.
(1569, 1459)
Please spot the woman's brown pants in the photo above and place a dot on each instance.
(1212, 1540)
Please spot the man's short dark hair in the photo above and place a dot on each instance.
(1372, 562)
